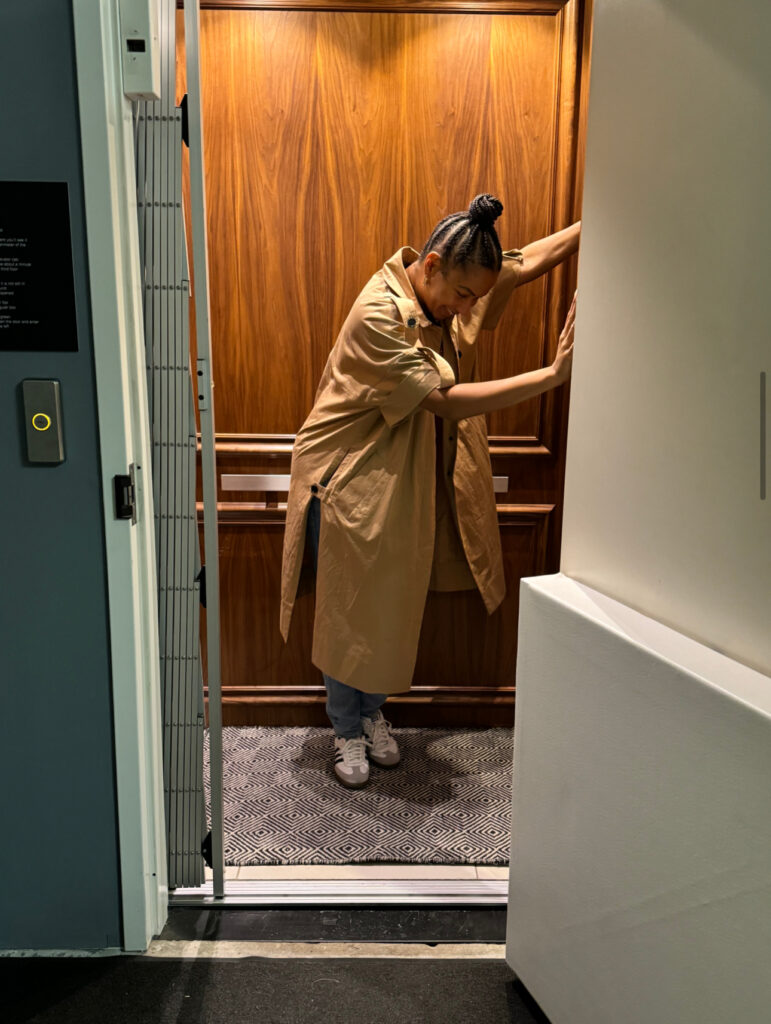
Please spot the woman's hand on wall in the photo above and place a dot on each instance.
(563, 361)
(464, 400)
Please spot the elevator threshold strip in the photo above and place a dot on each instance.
(225, 950)
(459, 892)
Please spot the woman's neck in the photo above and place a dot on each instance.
(414, 272)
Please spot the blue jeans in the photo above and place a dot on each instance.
(346, 706)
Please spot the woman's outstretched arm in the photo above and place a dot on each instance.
(540, 256)
(463, 400)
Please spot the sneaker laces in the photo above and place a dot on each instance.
(381, 731)
(355, 751)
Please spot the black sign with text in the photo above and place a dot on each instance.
(37, 286)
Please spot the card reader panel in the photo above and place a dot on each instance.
(43, 421)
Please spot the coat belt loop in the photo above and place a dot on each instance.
(318, 490)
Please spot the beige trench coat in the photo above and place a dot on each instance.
(376, 462)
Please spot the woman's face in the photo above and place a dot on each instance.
(454, 292)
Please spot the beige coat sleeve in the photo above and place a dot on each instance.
(394, 371)
(495, 302)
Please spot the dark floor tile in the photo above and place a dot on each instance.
(135, 990)
(339, 924)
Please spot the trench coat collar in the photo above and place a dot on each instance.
(395, 273)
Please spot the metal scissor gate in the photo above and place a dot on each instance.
(158, 133)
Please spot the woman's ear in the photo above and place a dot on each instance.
(431, 264)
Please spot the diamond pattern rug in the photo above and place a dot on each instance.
(448, 802)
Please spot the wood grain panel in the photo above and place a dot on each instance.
(462, 649)
(422, 706)
(331, 139)
(460, 644)
(253, 652)
(531, 474)
(262, 154)
(364, 150)
(392, 6)
(521, 129)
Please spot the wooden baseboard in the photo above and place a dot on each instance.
(422, 706)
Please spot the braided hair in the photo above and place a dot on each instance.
(469, 236)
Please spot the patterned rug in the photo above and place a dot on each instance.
(448, 802)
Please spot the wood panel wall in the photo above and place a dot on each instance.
(332, 139)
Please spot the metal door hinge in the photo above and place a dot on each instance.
(206, 851)
(124, 489)
(185, 122)
(201, 579)
(204, 383)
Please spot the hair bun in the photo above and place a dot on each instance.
(485, 210)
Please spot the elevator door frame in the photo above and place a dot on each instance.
(107, 146)
(110, 187)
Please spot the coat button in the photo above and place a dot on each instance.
(412, 322)
(314, 489)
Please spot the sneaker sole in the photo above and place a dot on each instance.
(351, 785)
(385, 764)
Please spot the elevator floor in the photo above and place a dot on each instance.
(278, 990)
(449, 800)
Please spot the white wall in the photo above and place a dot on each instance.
(662, 503)
(639, 890)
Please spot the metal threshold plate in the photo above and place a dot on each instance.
(477, 892)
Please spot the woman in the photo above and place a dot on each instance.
(391, 476)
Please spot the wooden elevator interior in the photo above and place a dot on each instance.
(332, 138)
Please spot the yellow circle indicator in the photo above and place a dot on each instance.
(40, 421)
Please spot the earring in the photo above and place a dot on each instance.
(425, 281)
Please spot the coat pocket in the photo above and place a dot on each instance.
(336, 467)
(361, 490)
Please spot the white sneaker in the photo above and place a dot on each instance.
(383, 748)
(351, 764)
